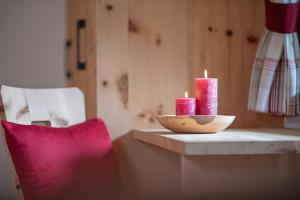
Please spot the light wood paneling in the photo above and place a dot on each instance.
(84, 79)
(222, 37)
(147, 53)
(113, 68)
(151, 51)
(157, 59)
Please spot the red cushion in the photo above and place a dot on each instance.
(76, 162)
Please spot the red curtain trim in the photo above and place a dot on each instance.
(282, 18)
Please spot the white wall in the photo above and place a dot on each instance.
(32, 54)
(32, 36)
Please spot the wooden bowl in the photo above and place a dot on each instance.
(196, 123)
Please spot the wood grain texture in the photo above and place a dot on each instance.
(86, 79)
(223, 37)
(259, 164)
(113, 69)
(228, 142)
(195, 124)
(149, 53)
(143, 54)
(157, 59)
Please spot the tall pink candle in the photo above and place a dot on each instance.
(206, 93)
(185, 106)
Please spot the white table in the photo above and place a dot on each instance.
(260, 163)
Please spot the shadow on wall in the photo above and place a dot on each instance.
(147, 172)
(6, 180)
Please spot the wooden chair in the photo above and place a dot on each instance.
(54, 107)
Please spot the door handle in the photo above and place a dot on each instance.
(81, 23)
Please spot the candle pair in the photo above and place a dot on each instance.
(205, 101)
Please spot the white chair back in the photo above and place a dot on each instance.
(60, 107)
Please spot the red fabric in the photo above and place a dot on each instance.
(282, 18)
(76, 162)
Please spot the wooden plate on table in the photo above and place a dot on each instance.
(196, 123)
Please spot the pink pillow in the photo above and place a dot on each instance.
(76, 162)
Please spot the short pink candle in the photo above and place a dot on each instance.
(206, 93)
(185, 106)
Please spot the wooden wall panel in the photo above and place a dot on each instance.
(113, 68)
(157, 59)
(223, 36)
(84, 79)
(147, 53)
(151, 51)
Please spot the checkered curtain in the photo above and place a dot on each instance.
(275, 79)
